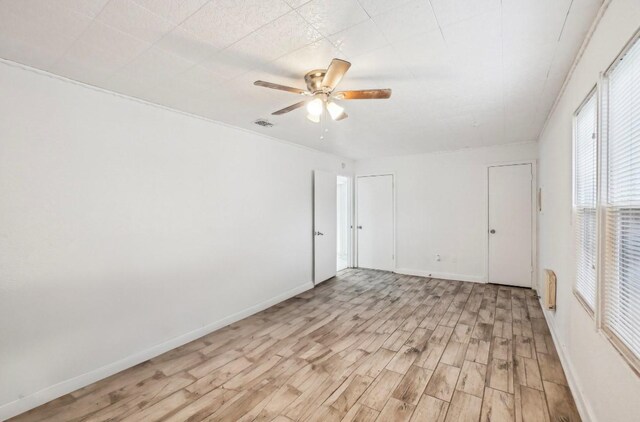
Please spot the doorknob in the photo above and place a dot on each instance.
(492, 231)
(359, 227)
(319, 234)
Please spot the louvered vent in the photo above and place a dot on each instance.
(263, 123)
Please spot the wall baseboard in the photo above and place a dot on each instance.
(585, 411)
(444, 276)
(45, 395)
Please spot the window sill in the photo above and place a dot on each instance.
(584, 304)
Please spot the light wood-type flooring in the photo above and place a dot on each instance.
(364, 346)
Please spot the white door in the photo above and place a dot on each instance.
(375, 222)
(324, 226)
(510, 225)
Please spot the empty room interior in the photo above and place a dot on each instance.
(320, 210)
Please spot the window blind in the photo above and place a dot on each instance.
(621, 306)
(585, 196)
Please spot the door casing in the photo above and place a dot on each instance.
(350, 218)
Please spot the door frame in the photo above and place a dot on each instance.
(534, 219)
(394, 212)
(351, 216)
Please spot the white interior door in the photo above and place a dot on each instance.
(510, 225)
(375, 222)
(324, 226)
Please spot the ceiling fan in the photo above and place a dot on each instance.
(320, 92)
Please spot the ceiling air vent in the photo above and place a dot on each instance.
(263, 123)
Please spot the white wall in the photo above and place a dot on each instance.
(127, 229)
(606, 388)
(441, 208)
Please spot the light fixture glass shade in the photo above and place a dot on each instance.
(313, 118)
(335, 110)
(315, 107)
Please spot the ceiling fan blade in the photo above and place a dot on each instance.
(281, 87)
(290, 108)
(364, 94)
(335, 73)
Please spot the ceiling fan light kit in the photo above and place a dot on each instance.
(315, 106)
(320, 92)
(335, 111)
(314, 118)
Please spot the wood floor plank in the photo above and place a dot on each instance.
(245, 404)
(443, 382)
(403, 360)
(147, 395)
(464, 408)
(360, 413)
(498, 406)
(551, 369)
(478, 351)
(527, 372)
(380, 391)
(454, 354)
(532, 406)
(397, 340)
(376, 362)
(540, 341)
(430, 409)
(482, 331)
(162, 408)
(278, 402)
(366, 345)
(419, 338)
(472, 378)
(348, 396)
(412, 385)
(396, 411)
(435, 347)
(502, 348)
(500, 375)
(462, 333)
(561, 404)
(524, 346)
(204, 406)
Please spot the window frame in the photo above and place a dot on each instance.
(594, 92)
(632, 359)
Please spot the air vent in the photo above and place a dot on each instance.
(263, 123)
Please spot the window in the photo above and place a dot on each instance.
(606, 203)
(584, 199)
(621, 205)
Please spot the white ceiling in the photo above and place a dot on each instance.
(464, 73)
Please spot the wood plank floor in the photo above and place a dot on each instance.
(364, 346)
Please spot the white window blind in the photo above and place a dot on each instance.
(621, 306)
(585, 196)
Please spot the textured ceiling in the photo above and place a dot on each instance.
(464, 73)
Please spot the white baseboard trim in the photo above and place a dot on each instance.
(444, 276)
(45, 395)
(586, 413)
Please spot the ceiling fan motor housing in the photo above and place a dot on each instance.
(314, 79)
